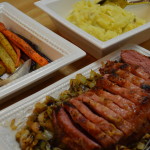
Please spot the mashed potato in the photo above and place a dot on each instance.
(103, 21)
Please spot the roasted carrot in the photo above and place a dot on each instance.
(17, 50)
(7, 46)
(7, 60)
(26, 48)
(2, 68)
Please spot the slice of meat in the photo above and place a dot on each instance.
(109, 115)
(137, 59)
(138, 71)
(66, 124)
(103, 124)
(112, 66)
(102, 110)
(140, 82)
(61, 138)
(126, 84)
(117, 99)
(115, 89)
(58, 132)
(138, 120)
(141, 73)
(90, 127)
(108, 103)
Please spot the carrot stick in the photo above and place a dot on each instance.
(17, 50)
(26, 48)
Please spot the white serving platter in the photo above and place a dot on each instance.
(22, 109)
(59, 9)
(59, 50)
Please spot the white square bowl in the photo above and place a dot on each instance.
(22, 109)
(60, 51)
(59, 9)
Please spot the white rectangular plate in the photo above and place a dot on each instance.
(60, 51)
(22, 109)
(59, 9)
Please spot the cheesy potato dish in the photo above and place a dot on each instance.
(103, 21)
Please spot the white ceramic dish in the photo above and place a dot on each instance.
(60, 51)
(22, 109)
(59, 9)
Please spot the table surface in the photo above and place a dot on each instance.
(34, 12)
